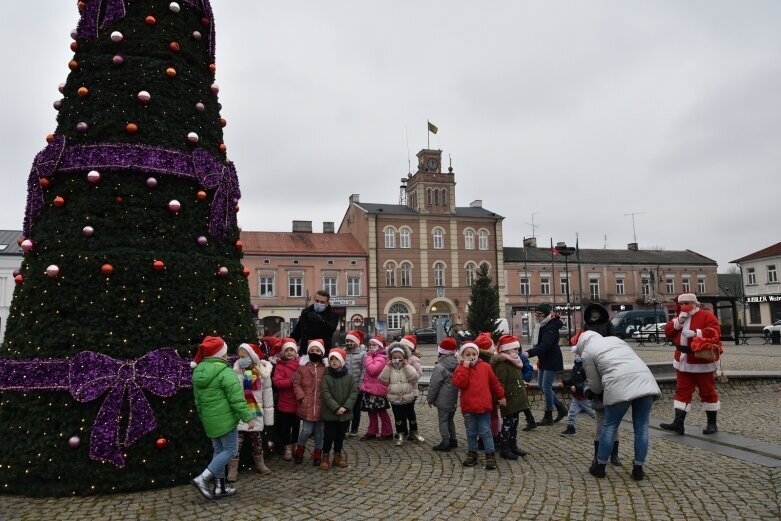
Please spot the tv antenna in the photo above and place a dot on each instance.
(634, 231)
(534, 226)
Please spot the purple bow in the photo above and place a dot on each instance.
(90, 18)
(211, 173)
(92, 374)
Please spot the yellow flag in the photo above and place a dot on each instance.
(432, 128)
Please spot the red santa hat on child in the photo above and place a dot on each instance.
(288, 343)
(337, 353)
(448, 346)
(211, 347)
(468, 344)
(411, 341)
(378, 341)
(316, 343)
(485, 342)
(507, 342)
(253, 351)
(356, 336)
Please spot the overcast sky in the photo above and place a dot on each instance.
(576, 112)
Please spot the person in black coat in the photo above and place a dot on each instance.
(596, 319)
(316, 321)
(546, 348)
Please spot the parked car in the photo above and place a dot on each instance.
(775, 326)
(626, 322)
(426, 335)
(650, 332)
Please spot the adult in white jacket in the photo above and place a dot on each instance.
(622, 378)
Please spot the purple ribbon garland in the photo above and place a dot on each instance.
(89, 375)
(199, 166)
(114, 10)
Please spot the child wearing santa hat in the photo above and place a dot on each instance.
(375, 392)
(288, 423)
(485, 344)
(306, 385)
(507, 366)
(411, 341)
(219, 400)
(402, 382)
(356, 356)
(443, 394)
(339, 395)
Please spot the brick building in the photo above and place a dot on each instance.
(761, 286)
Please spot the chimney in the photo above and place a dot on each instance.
(529, 242)
(302, 226)
(328, 227)
(477, 203)
(632, 246)
(355, 198)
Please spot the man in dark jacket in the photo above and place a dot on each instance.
(546, 347)
(596, 318)
(316, 321)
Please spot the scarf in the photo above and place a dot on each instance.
(515, 360)
(251, 383)
(536, 335)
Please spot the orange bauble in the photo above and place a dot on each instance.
(171, 72)
(212, 67)
(49, 138)
(107, 269)
(83, 91)
(59, 201)
(223, 148)
(74, 46)
(239, 245)
(73, 64)
(223, 122)
(236, 208)
(150, 20)
(82, 6)
(158, 265)
(174, 46)
(44, 182)
(131, 128)
(201, 195)
(245, 272)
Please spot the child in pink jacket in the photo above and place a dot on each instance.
(375, 393)
(288, 424)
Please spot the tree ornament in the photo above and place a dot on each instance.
(245, 272)
(83, 91)
(215, 88)
(223, 271)
(239, 245)
(236, 208)
(53, 270)
(73, 64)
(197, 36)
(87, 231)
(150, 20)
(158, 265)
(74, 33)
(151, 182)
(171, 72)
(255, 309)
(74, 46)
(16, 272)
(82, 126)
(202, 241)
(223, 148)
(18, 279)
(107, 269)
(74, 442)
(205, 21)
(201, 195)
(200, 107)
(93, 176)
(144, 96)
(131, 128)
(82, 6)
(192, 138)
(120, 199)
(61, 88)
(44, 182)
(59, 201)
(117, 37)
(174, 47)
(118, 59)
(223, 122)
(174, 206)
(27, 245)
(174, 7)
(57, 104)
(49, 138)
(161, 443)
(212, 68)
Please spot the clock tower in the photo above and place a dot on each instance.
(430, 190)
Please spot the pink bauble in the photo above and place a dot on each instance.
(61, 88)
(87, 231)
(215, 88)
(74, 442)
(192, 137)
(144, 96)
(223, 271)
(117, 37)
(174, 7)
(82, 126)
(200, 107)
(27, 245)
(93, 176)
(118, 59)
(174, 205)
(57, 104)
(202, 241)
(151, 182)
(53, 270)
(197, 36)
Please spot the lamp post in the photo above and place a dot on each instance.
(566, 251)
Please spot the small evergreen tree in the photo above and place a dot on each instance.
(484, 308)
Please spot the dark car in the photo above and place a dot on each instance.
(426, 335)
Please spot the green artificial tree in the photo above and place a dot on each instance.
(484, 304)
(132, 257)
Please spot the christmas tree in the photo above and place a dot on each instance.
(132, 256)
(483, 304)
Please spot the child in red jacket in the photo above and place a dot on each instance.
(480, 389)
(288, 424)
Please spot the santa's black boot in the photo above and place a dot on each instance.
(711, 427)
(677, 423)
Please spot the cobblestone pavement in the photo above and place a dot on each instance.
(414, 482)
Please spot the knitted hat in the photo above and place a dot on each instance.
(507, 342)
(288, 342)
(355, 335)
(253, 351)
(211, 347)
(485, 342)
(337, 353)
(543, 308)
(398, 347)
(378, 341)
(687, 297)
(316, 343)
(411, 341)
(448, 346)
(468, 345)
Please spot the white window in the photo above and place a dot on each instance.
(295, 286)
(670, 286)
(700, 284)
(544, 285)
(266, 285)
(353, 286)
(620, 290)
(390, 238)
(593, 288)
(398, 316)
(470, 274)
(404, 238)
(646, 286)
(406, 275)
(482, 240)
(772, 274)
(469, 240)
(752, 277)
(330, 284)
(390, 275)
(686, 285)
(524, 285)
(564, 283)
(439, 274)
(439, 239)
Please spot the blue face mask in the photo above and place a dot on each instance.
(320, 307)
(244, 363)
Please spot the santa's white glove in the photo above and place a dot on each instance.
(688, 333)
(699, 333)
(682, 316)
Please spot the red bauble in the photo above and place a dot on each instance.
(120, 199)
(44, 182)
(245, 272)
(204, 21)
(171, 72)
(18, 279)
(59, 201)
(83, 91)
(174, 47)
(223, 148)
(74, 46)
(201, 195)
(49, 138)
(223, 122)
(161, 443)
(107, 269)
(239, 245)
(236, 208)
(73, 64)
(150, 20)
(131, 128)
(158, 265)
(212, 68)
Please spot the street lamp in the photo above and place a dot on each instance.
(566, 251)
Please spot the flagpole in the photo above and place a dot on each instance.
(580, 276)
(428, 135)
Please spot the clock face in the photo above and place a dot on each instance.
(432, 164)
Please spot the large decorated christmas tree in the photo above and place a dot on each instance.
(132, 256)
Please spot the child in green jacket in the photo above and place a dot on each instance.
(339, 395)
(219, 400)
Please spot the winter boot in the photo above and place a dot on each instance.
(471, 459)
(677, 423)
(260, 464)
(232, 471)
(202, 483)
(222, 489)
(711, 427)
(316, 455)
(400, 439)
(325, 464)
(614, 459)
(414, 436)
(490, 461)
(516, 450)
(637, 472)
(442, 447)
(288, 454)
(597, 470)
(561, 412)
(298, 458)
(504, 452)
(339, 461)
(453, 443)
(530, 424)
(569, 431)
(547, 419)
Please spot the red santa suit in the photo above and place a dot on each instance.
(694, 372)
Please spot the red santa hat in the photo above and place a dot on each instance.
(687, 297)
(411, 341)
(288, 343)
(211, 347)
(378, 341)
(253, 351)
(466, 345)
(485, 342)
(337, 353)
(356, 336)
(316, 343)
(273, 343)
(507, 342)
(448, 346)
